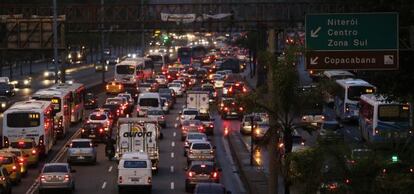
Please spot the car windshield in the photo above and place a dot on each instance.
(114, 101)
(135, 164)
(201, 146)
(191, 122)
(153, 102)
(194, 136)
(80, 144)
(145, 85)
(21, 119)
(22, 145)
(190, 112)
(208, 189)
(164, 91)
(92, 125)
(202, 169)
(394, 113)
(331, 125)
(98, 117)
(202, 117)
(176, 85)
(55, 168)
(355, 92)
(125, 69)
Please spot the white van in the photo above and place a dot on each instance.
(147, 101)
(134, 171)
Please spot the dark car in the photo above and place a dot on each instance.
(24, 82)
(212, 92)
(231, 109)
(237, 88)
(115, 110)
(95, 131)
(208, 123)
(210, 188)
(172, 75)
(5, 103)
(168, 94)
(330, 132)
(201, 172)
(133, 90)
(7, 89)
(91, 101)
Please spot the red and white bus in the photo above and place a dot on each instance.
(76, 105)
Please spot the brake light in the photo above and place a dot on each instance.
(190, 174)
(66, 177)
(21, 159)
(120, 179)
(241, 108)
(119, 86)
(215, 174)
(14, 168)
(211, 125)
(149, 180)
(107, 87)
(21, 143)
(101, 130)
(226, 109)
(42, 178)
(162, 117)
(34, 151)
(244, 89)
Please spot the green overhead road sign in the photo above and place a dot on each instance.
(352, 41)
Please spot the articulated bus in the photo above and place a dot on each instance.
(347, 97)
(76, 105)
(31, 119)
(61, 100)
(381, 121)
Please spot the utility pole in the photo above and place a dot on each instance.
(102, 41)
(142, 29)
(55, 51)
(252, 141)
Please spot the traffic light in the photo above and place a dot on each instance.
(394, 158)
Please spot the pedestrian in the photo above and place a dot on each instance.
(110, 148)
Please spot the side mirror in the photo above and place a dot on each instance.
(208, 139)
(212, 119)
(185, 168)
(67, 146)
(95, 144)
(219, 169)
(72, 170)
(181, 112)
(214, 147)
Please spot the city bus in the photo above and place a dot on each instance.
(129, 71)
(184, 55)
(76, 105)
(337, 74)
(61, 100)
(347, 95)
(32, 119)
(382, 121)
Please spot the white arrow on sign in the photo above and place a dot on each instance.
(314, 61)
(314, 34)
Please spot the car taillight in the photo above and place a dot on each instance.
(6, 142)
(211, 125)
(21, 159)
(42, 178)
(347, 107)
(149, 180)
(162, 117)
(215, 175)
(14, 168)
(347, 181)
(120, 87)
(226, 109)
(34, 152)
(201, 128)
(244, 90)
(190, 174)
(120, 179)
(66, 177)
(101, 130)
(107, 87)
(83, 130)
(241, 108)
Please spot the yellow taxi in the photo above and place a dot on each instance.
(114, 88)
(5, 182)
(20, 157)
(29, 149)
(11, 163)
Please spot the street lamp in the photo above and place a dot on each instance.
(102, 41)
(55, 51)
(252, 140)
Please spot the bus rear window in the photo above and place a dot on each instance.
(6, 160)
(355, 92)
(22, 145)
(23, 119)
(135, 164)
(393, 113)
(125, 69)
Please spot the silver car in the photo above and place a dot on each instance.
(56, 176)
(201, 151)
(81, 150)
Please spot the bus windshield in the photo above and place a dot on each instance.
(23, 119)
(125, 69)
(393, 113)
(355, 92)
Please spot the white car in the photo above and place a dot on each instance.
(161, 79)
(177, 87)
(192, 137)
(218, 82)
(100, 117)
(188, 114)
(180, 81)
(128, 97)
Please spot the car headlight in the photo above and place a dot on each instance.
(171, 50)
(26, 82)
(79, 55)
(69, 56)
(70, 82)
(46, 74)
(3, 105)
(7, 91)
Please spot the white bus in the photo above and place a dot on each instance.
(338, 74)
(61, 100)
(77, 98)
(382, 121)
(31, 119)
(347, 96)
(129, 71)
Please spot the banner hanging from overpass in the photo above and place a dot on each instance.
(189, 18)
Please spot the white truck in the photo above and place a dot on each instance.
(138, 135)
(198, 100)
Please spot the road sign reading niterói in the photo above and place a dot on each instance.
(352, 41)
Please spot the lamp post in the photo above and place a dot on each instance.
(252, 140)
(55, 51)
(102, 41)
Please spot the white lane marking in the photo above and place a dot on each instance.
(348, 131)
(172, 144)
(174, 134)
(110, 169)
(172, 169)
(172, 154)
(103, 185)
(175, 125)
(172, 185)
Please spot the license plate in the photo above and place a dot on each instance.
(234, 113)
(134, 179)
(92, 136)
(81, 157)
